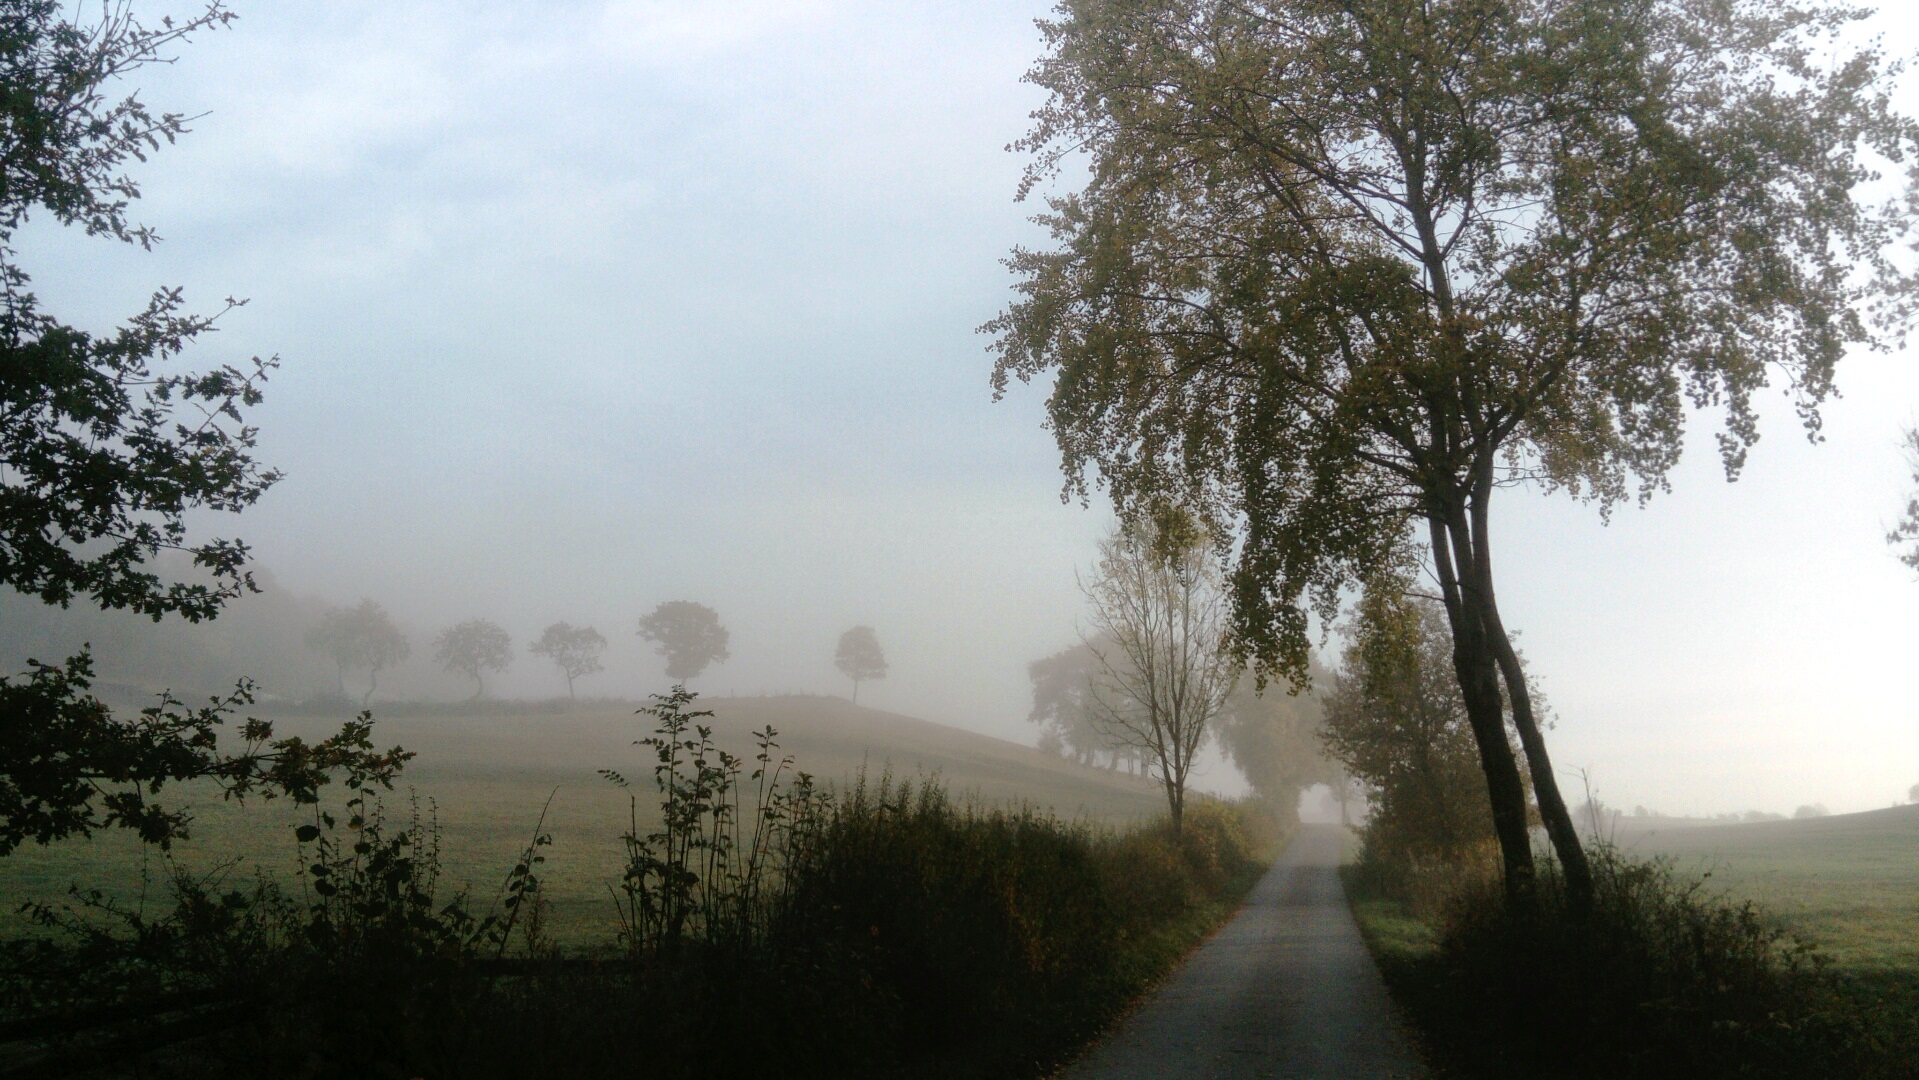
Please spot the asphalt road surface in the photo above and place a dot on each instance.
(1286, 989)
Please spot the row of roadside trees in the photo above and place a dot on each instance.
(688, 635)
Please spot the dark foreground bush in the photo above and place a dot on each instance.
(1660, 979)
(883, 931)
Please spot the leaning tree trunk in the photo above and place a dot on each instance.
(1478, 676)
(1552, 804)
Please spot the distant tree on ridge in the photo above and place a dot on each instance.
(689, 635)
(859, 657)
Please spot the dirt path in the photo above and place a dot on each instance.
(1286, 989)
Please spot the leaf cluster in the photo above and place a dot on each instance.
(103, 450)
(69, 765)
(1335, 264)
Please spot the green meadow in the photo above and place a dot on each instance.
(1847, 883)
(486, 774)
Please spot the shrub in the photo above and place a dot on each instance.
(880, 930)
(1661, 978)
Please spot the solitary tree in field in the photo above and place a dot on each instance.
(1159, 619)
(361, 638)
(575, 650)
(1342, 269)
(689, 635)
(473, 648)
(107, 449)
(859, 657)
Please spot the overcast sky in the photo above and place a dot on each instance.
(585, 306)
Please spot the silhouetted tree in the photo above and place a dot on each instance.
(1062, 706)
(362, 638)
(1906, 533)
(689, 635)
(1159, 618)
(1339, 271)
(859, 657)
(105, 451)
(574, 650)
(472, 648)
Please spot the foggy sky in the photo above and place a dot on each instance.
(586, 306)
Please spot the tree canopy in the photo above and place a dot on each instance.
(859, 657)
(473, 648)
(106, 449)
(1340, 270)
(360, 638)
(575, 650)
(688, 634)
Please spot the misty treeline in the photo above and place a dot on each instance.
(297, 650)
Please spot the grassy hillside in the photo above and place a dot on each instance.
(1849, 882)
(489, 774)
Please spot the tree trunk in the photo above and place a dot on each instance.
(372, 684)
(1552, 805)
(1478, 676)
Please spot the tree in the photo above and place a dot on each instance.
(1397, 723)
(1062, 706)
(362, 638)
(1906, 533)
(103, 452)
(106, 451)
(859, 657)
(1273, 739)
(1159, 616)
(473, 647)
(1339, 271)
(574, 650)
(689, 635)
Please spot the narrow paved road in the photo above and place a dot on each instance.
(1286, 989)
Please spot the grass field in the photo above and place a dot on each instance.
(1848, 883)
(488, 776)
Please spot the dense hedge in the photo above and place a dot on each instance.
(1662, 978)
(916, 937)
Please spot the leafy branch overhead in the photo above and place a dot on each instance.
(103, 450)
(68, 766)
(106, 450)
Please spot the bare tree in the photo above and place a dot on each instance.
(1160, 620)
(859, 657)
(473, 648)
(575, 650)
